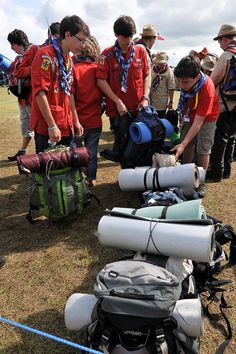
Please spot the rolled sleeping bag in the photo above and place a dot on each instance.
(192, 241)
(189, 316)
(78, 311)
(169, 127)
(140, 133)
(58, 159)
(181, 176)
(5, 63)
(190, 210)
(202, 174)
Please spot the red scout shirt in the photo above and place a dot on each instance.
(24, 68)
(88, 97)
(45, 75)
(109, 69)
(207, 105)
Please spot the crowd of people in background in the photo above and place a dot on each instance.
(66, 95)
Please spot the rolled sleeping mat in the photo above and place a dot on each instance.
(140, 133)
(169, 127)
(4, 63)
(190, 210)
(78, 311)
(140, 179)
(189, 316)
(202, 174)
(192, 241)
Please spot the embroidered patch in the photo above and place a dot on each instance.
(56, 89)
(138, 60)
(45, 64)
(102, 59)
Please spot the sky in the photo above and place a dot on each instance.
(185, 24)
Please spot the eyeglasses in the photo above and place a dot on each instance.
(81, 40)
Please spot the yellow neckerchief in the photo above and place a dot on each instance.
(196, 101)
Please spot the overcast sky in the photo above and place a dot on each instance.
(185, 24)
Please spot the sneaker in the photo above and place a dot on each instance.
(14, 157)
(201, 191)
(2, 261)
(210, 177)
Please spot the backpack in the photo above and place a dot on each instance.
(135, 301)
(228, 87)
(58, 193)
(21, 89)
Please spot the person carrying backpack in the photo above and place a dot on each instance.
(224, 142)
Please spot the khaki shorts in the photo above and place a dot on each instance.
(204, 139)
(24, 121)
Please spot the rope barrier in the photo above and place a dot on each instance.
(49, 336)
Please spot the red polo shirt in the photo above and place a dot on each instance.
(109, 69)
(88, 97)
(206, 104)
(45, 76)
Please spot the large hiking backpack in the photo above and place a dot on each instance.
(59, 193)
(136, 300)
(228, 87)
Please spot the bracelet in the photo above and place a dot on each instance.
(52, 128)
(146, 97)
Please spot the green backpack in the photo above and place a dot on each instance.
(58, 193)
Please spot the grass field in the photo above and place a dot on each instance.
(47, 262)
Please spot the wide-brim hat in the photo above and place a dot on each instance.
(209, 62)
(160, 58)
(149, 31)
(225, 30)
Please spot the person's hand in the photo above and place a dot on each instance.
(121, 108)
(79, 129)
(55, 135)
(144, 102)
(179, 150)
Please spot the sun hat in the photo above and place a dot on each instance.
(225, 30)
(160, 58)
(208, 62)
(149, 31)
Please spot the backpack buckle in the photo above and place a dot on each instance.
(105, 338)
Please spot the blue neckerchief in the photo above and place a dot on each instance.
(185, 95)
(79, 59)
(124, 65)
(65, 80)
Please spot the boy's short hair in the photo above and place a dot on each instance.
(188, 67)
(18, 37)
(124, 26)
(54, 28)
(73, 24)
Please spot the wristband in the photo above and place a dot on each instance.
(146, 97)
(52, 128)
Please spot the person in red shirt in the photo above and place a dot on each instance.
(199, 110)
(123, 70)
(53, 114)
(20, 44)
(88, 101)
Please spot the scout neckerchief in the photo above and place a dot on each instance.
(231, 46)
(158, 71)
(124, 64)
(83, 59)
(65, 67)
(185, 95)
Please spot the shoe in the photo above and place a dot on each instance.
(14, 157)
(210, 177)
(2, 261)
(201, 191)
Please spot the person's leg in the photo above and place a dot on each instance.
(228, 158)
(91, 141)
(188, 153)
(41, 142)
(205, 141)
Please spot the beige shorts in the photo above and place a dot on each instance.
(204, 140)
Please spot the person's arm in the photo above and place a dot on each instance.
(106, 89)
(171, 97)
(77, 125)
(145, 98)
(193, 131)
(53, 131)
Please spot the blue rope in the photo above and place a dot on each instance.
(50, 336)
